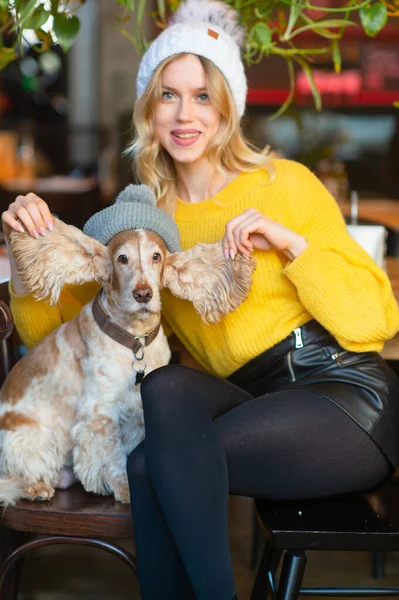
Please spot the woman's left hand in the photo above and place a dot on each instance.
(252, 230)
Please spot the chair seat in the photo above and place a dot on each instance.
(71, 512)
(355, 522)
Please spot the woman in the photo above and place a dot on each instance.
(297, 402)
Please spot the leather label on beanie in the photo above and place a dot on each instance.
(213, 33)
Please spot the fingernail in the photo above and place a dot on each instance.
(226, 253)
(35, 234)
(20, 228)
(50, 226)
(42, 231)
(232, 254)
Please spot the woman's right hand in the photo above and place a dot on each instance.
(27, 213)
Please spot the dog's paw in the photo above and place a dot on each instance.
(39, 491)
(121, 493)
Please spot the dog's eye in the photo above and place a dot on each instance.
(156, 257)
(122, 258)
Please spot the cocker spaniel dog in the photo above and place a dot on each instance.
(76, 395)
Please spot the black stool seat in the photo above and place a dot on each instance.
(368, 522)
(341, 523)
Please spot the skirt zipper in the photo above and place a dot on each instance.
(298, 344)
(336, 356)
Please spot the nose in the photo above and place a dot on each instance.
(142, 295)
(185, 111)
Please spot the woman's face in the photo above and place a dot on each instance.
(185, 119)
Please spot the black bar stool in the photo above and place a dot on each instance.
(368, 522)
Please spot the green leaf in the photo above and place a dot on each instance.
(128, 3)
(336, 56)
(66, 29)
(162, 9)
(309, 74)
(140, 11)
(37, 19)
(261, 34)
(290, 96)
(4, 16)
(373, 18)
(324, 24)
(7, 55)
(20, 5)
(45, 38)
(27, 8)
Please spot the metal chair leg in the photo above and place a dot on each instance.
(256, 540)
(378, 564)
(261, 586)
(292, 571)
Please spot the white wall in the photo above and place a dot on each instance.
(83, 87)
(118, 64)
(102, 68)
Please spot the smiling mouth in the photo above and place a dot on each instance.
(185, 136)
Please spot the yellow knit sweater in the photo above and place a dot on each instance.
(333, 281)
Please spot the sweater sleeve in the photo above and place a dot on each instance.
(336, 280)
(34, 319)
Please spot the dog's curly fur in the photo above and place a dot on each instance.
(73, 397)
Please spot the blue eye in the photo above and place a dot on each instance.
(204, 97)
(167, 95)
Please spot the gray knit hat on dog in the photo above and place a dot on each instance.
(134, 208)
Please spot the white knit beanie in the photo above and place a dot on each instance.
(208, 28)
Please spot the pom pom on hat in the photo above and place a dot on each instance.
(134, 208)
(137, 193)
(211, 12)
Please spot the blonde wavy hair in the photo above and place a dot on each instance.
(229, 151)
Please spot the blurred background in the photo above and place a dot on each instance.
(70, 114)
(64, 122)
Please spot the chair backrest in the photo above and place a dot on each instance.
(73, 201)
(9, 339)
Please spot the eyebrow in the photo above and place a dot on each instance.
(172, 89)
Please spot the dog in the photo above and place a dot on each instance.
(75, 397)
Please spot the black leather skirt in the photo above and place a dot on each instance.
(359, 383)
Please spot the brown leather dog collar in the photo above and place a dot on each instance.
(119, 334)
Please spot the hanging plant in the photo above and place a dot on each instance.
(274, 27)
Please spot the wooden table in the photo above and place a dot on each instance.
(385, 212)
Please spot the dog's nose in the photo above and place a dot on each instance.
(142, 294)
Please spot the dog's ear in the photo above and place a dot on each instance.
(64, 255)
(214, 284)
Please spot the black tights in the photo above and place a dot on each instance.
(206, 438)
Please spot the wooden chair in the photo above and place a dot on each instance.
(72, 517)
(367, 522)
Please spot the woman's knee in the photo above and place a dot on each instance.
(165, 388)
